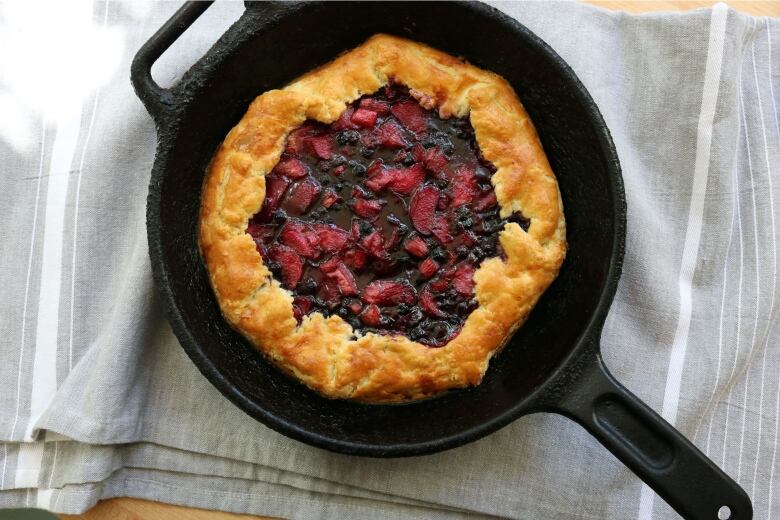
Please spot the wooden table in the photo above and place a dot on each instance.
(136, 509)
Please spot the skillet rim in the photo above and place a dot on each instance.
(540, 399)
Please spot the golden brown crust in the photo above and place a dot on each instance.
(325, 353)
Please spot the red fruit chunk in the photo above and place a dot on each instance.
(376, 105)
(422, 208)
(375, 167)
(463, 279)
(371, 316)
(388, 292)
(428, 303)
(301, 237)
(416, 246)
(320, 146)
(304, 194)
(379, 180)
(330, 264)
(330, 198)
(344, 122)
(354, 306)
(444, 202)
(355, 258)
(395, 239)
(440, 227)
(486, 201)
(290, 262)
(275, 187)
(435, 160)
(470, 239)
(262, 234)
(364, 117)
(332, 238)
(301, 307)
(428, 267)
(291, 167)
(464, 187)
(338, 170)
(418, 153)
(390, 135)
(296, 141)
(367, 208)
(441, 284)
(411, 115)
(405, 180)
(374, 243)
(329, 290)
(344, 279)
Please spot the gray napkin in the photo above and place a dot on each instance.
(98, 400)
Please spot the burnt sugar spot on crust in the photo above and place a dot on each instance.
(382, 218)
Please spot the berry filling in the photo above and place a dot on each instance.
(382, 218)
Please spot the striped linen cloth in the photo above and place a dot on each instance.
(98, 400)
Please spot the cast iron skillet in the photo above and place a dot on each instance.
(551, 365)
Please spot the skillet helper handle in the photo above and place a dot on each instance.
(668, 462)
(157, 99)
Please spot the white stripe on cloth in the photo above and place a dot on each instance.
(76, 217)
(773, 465)
(44, 374)
(774, 263)
(27, 282)
(44, 370)
(709, 100)
(751, 352)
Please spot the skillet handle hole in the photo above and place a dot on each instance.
(724, 513)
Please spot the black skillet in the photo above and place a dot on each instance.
(552, 364)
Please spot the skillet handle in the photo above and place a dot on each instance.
(159, 100)
(681, 474)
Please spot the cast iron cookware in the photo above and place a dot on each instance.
(551, 365)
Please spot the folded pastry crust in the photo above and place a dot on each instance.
(326, 353)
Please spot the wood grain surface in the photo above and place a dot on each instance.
(136, 509)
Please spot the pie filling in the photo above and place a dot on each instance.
(382, 218)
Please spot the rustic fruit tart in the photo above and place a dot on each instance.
(381, 226)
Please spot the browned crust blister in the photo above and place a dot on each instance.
(326, 353)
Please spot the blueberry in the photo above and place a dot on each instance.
(440, 183)
(366, 152)
(408, 160)
(404, 308)
(347, 136)
(477, 254)
(440, 255)
(280, 216)
(462, 251)
(307, 286)
(385, 321)
(338, 160)
(414, 317)
(365, 227)
(465, 222)
(275, 268)
(359, 170)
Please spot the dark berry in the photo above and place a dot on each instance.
(359, 170)
(440, 255)
(365, 228)
(307, 286)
